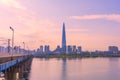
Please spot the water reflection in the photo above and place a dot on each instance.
(113, 59)
(114, 68)
(76, 69)
(64, 69)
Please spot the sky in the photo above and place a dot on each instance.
(92, 24)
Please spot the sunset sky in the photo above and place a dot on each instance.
(92, 24)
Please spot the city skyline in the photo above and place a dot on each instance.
(94, 25)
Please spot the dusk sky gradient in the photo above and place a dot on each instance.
(92, 24)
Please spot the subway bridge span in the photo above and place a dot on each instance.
(14, 66)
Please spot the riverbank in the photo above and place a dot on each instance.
(76, 55)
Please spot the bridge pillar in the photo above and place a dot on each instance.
(18, 71)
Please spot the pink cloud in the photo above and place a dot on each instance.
(12, 3)
(113, 17)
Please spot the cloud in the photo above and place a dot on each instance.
(112, 17)
(12, 3)
(28, 26)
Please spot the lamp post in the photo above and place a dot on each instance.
(12, 39)
(8, 45)
(24, 47)
(19, 50)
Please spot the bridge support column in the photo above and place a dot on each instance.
(18, 69)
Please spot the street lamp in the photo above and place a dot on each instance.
(24, 47)
(19, 49)
(8, 45)
(12, 39)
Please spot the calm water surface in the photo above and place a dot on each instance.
(75, 69)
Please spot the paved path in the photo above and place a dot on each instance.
(9, 55)
(5, 57)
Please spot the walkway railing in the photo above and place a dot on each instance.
(6, 65)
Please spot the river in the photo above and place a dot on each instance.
(75, 69)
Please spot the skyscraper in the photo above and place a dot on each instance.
(74, 49)
(113, 49)
(41, 49)
(47, 49)
(79, 50)
(69, 49)
(63, 39)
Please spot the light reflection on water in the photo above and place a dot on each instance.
(75, 69)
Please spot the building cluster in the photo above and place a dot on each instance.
(113, 49)
(3, 49)
(60, 50)
(69, 50)
(64, 49)
(16, 49)
(73, 49)
(44, 49)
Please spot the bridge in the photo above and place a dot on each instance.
(11, 62)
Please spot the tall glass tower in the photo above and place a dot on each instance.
(63, 39)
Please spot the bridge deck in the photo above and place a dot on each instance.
(5, 57)
(6, 61)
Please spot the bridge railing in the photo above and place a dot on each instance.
(9, 64)
(13, 55)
